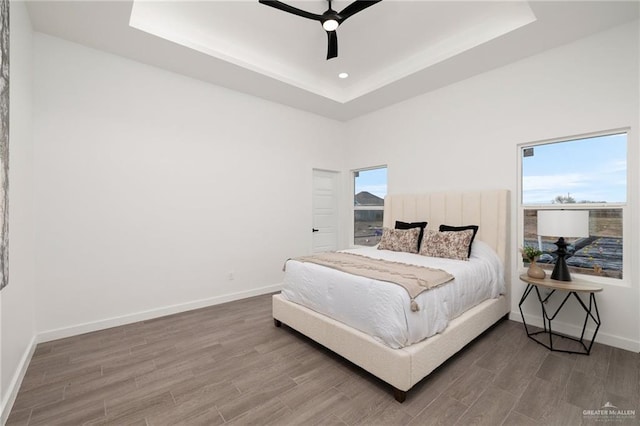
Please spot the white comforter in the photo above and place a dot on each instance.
(383, 310)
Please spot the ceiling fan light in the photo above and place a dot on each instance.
(330, 25)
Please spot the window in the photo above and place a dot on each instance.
(370, 188)
(588, 173)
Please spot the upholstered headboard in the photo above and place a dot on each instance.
(487, 209)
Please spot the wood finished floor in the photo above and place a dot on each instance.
(228, 364)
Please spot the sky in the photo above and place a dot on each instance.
(592, 169)
(373, 181)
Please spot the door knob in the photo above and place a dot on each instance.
(314, 230)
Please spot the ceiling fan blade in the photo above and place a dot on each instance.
(286, 8)
(332, 49)
(355, 7)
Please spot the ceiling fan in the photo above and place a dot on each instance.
(330, 19)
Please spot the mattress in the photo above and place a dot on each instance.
(382, 309)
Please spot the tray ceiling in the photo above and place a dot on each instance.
(392, 51)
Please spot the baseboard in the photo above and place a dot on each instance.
(16, 381)
(574, 331)
(61, 333)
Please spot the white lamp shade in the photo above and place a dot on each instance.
(563, 223)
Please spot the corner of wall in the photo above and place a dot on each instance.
(17, 300)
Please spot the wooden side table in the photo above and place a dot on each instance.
(575, 288)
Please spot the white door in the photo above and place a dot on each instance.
(325, 211)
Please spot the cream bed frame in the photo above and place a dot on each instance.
(403, 368)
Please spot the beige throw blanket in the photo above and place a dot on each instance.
(414, 279)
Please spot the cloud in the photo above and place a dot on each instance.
(553, 182)
(616, 167)
(608, 187)
(377, 190)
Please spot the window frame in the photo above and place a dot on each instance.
(624, 206)
(355, 208)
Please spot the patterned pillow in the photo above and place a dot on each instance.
(449, 244)
(405, 225)
(400, 240)
(461, 228)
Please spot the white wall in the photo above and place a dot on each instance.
(465, 136)
(152, 188)
(17, 300)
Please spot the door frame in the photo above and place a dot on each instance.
(338, 203)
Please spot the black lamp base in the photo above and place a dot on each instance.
(561, 270)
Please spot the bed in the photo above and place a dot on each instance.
(409, 362)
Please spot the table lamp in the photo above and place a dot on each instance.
(563, 223)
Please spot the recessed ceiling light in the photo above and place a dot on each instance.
(343, 75)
